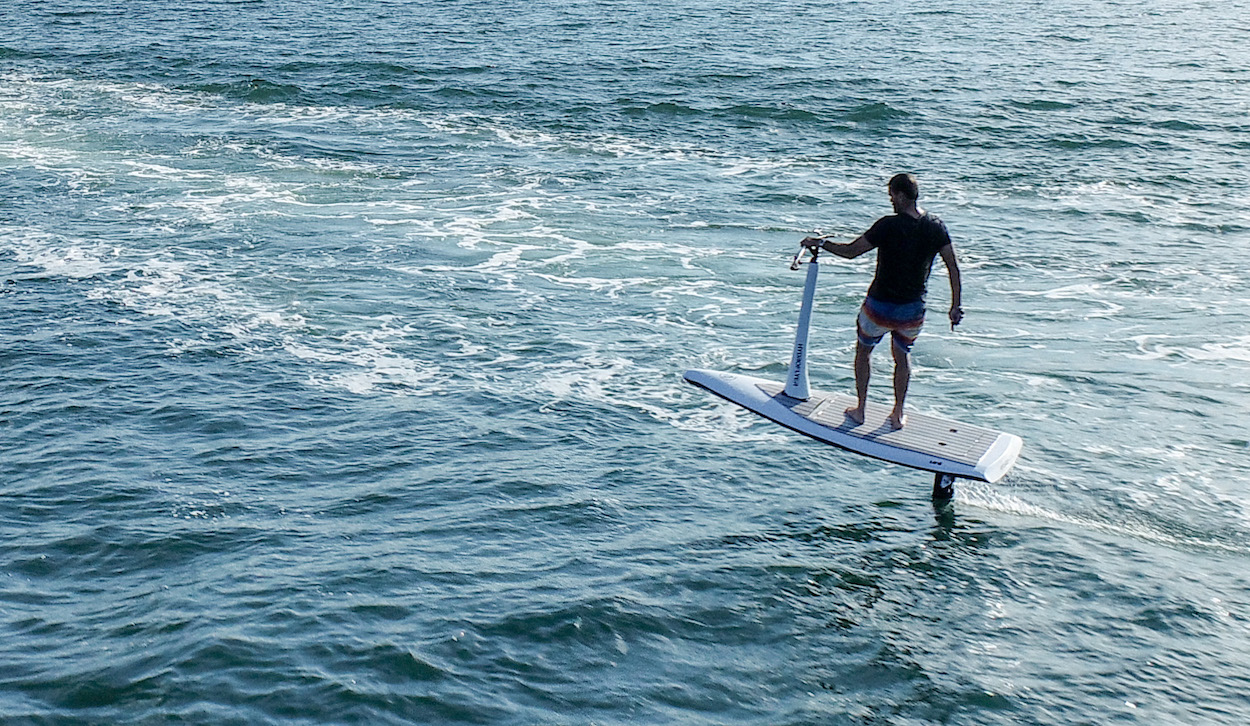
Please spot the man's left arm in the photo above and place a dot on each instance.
(947, 252)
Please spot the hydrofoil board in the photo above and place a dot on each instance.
(947, 448)
(927, 442)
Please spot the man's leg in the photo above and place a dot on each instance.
(902, 377)
(863, 371)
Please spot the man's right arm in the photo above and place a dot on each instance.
(849, 250)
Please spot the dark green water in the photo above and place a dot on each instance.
(342, 352)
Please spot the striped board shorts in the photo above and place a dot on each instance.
(902, 321)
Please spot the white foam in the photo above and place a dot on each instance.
(1187, 348)
(1237, 349)
(196, 292)
(468, 349)
(371, 364)
(612, 287)
(998, 497)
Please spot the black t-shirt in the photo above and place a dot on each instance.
(905, 250)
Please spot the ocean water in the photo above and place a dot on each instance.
(342, 351)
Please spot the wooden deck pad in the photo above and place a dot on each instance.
(924, 434)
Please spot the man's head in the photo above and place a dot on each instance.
(904, 191)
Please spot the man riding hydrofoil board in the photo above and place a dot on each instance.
(906, 243)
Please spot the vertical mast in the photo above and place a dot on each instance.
(796, 379)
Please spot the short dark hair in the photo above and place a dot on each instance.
(907, 184)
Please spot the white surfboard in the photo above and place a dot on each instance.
(938, 445)
(926, 442)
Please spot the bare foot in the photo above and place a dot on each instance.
(897, 420)
(856, 414)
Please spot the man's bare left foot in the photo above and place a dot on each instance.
(897, 420)
(856, 414)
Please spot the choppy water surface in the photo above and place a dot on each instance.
(342, 353)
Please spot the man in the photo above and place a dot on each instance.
(906, 243)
